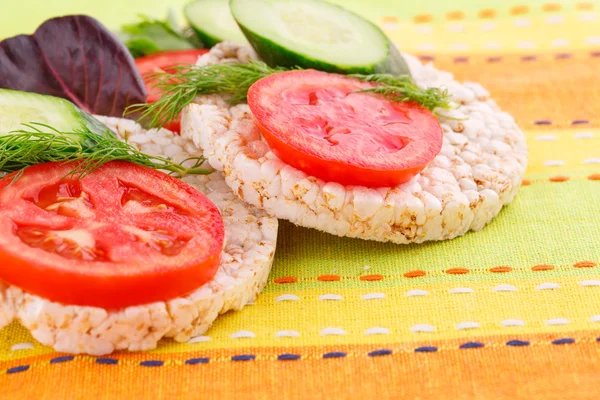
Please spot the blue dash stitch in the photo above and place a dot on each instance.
(382, 352)
(243, 357)
(471, 345)
(20, 368)
(152, 363)
(517, 343)
(61, 359)
(286, 357)
(194, 361)
(334, 354)
(563, 341)
(107, 361)
(426, 349)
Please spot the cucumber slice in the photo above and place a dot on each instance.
(311, 34)
(212, 21)
(395, 64)
(18, 108)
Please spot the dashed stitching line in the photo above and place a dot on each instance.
(560, 178)
(451, 271)
(107, 361)
(335, 354)
(152, 363)
(293, 357)
(61, 359)
(243, 357)
(496, 59)
(199, 360)
(491, 13)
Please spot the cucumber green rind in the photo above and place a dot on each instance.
(32, 108)
(211, 21)
(207, 40)
(275, 55)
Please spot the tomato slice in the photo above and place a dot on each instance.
(318, 123)
(164, 62)
(122, 235)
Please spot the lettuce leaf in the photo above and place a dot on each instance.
(74, 57)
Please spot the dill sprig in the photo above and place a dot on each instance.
(87, 149)
(181, 87)
(403, 88)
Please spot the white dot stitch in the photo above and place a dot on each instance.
(417, 292)
(287, 297)
(592, 161)
(242, 335)
(595, 318)
(545, 137)
(526, 45)
(467, 325)
(456, 27)
(390, 26)
(584, 135)
(422, 328)
(560, 43)
(489, 26)
(512, 322)
(555, 19)
(377, 331)
(557, 321)
(372, 296)
(587, 16)
(547, 285)
(424, 29)
(426, 46)
(461, 290)
(330, 297)
(590, 282)
(21, 346)
(491, 46)
(287, 334)
(554, 163)
(459, 46)
(332, 331)
(504, 288)
(593, 40)
(199, 339)
(366, 267)
(522, 22)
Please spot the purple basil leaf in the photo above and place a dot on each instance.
(77, 58)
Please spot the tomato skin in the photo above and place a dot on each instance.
(133, 273)
(289, 107)
(162, 62)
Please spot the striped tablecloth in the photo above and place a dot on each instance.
(510, 312)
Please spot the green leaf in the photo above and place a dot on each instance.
(151, 36)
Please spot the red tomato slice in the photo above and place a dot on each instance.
(123, 235)
(162, 62)
(316, 122)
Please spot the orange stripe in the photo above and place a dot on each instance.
(537, 371)
(531, 91)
